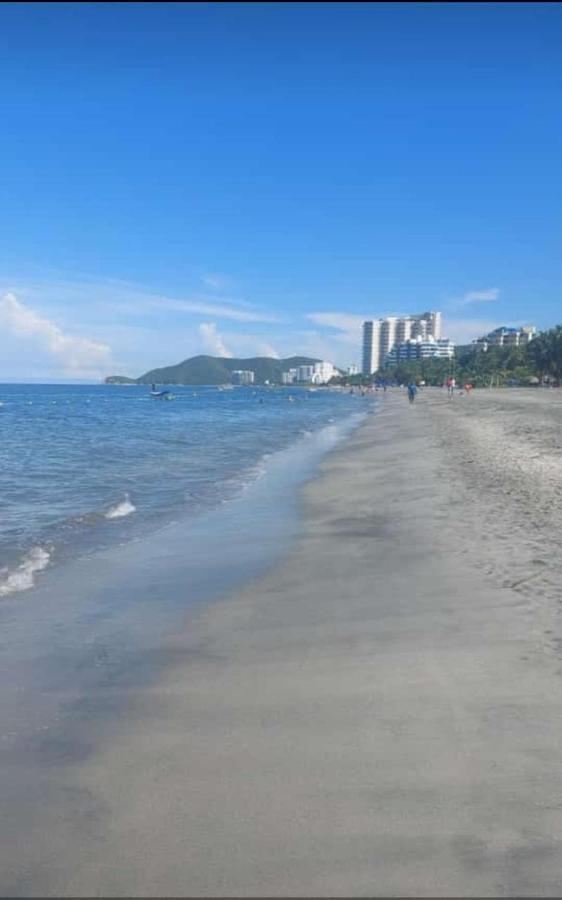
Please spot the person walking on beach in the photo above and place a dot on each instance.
(451, 384)
(412, 391)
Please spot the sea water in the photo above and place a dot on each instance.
(119, 514)
(85, 466)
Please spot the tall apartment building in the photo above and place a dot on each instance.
(242, 376)
(387, 337)
(371, 347)
(404, 329)
(380, 336)
(436, 322)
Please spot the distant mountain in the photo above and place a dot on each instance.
(119, 379)
(216, 370)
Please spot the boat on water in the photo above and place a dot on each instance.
(161, 395)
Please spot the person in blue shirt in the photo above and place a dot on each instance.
(412, 391)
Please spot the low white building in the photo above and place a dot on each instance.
(420, 348)
(507, 337)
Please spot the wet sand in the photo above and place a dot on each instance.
(379, 715)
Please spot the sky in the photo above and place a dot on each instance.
(256, 179)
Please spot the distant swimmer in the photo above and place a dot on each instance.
(412, 391)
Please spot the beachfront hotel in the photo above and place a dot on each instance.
(420, 348)
(380, 336)
(507, 337)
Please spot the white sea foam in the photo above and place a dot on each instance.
(121, 509)
(22, 578)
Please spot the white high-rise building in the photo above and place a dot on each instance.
(388, 337)
(305, 373)
(380, 336)
(371, 347)
(242, 376)
(403, 329)
(435, 324)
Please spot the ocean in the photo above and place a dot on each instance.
(119, 514)
(84, 466)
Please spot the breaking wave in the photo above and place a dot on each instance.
(22, 578)
(121, 509)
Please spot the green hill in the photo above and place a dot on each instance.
(216, 370)
(119, 379)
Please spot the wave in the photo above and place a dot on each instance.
(121, 509)
(22, 578)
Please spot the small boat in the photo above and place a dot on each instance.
(161, 395)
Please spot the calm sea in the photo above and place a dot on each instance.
(120, 515)
(84, 467)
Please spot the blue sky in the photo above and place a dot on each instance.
(257, 178)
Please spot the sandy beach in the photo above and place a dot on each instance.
(380, 714)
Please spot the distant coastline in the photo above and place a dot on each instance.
(213, 370)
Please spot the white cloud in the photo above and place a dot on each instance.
(245, 344)
(77, 356)
(487, 295)
(204, 308)
(482, 296)
(212, 340)
(463, 331)
(339, 349)
(346, 322)
(100, 297)
(340, 343)
(264, 348)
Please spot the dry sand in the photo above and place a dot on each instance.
(379, 715)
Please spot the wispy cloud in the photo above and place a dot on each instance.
(215, 282)
(78, 356)
(341, 321)
(212, 341)
(204, 308)
(264, 348)
(125, 298)
(488, 295)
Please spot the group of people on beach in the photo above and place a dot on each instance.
(450, 384)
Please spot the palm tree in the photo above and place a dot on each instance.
(546, 353)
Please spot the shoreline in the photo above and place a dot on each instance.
(372, 716)
(94, 627)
